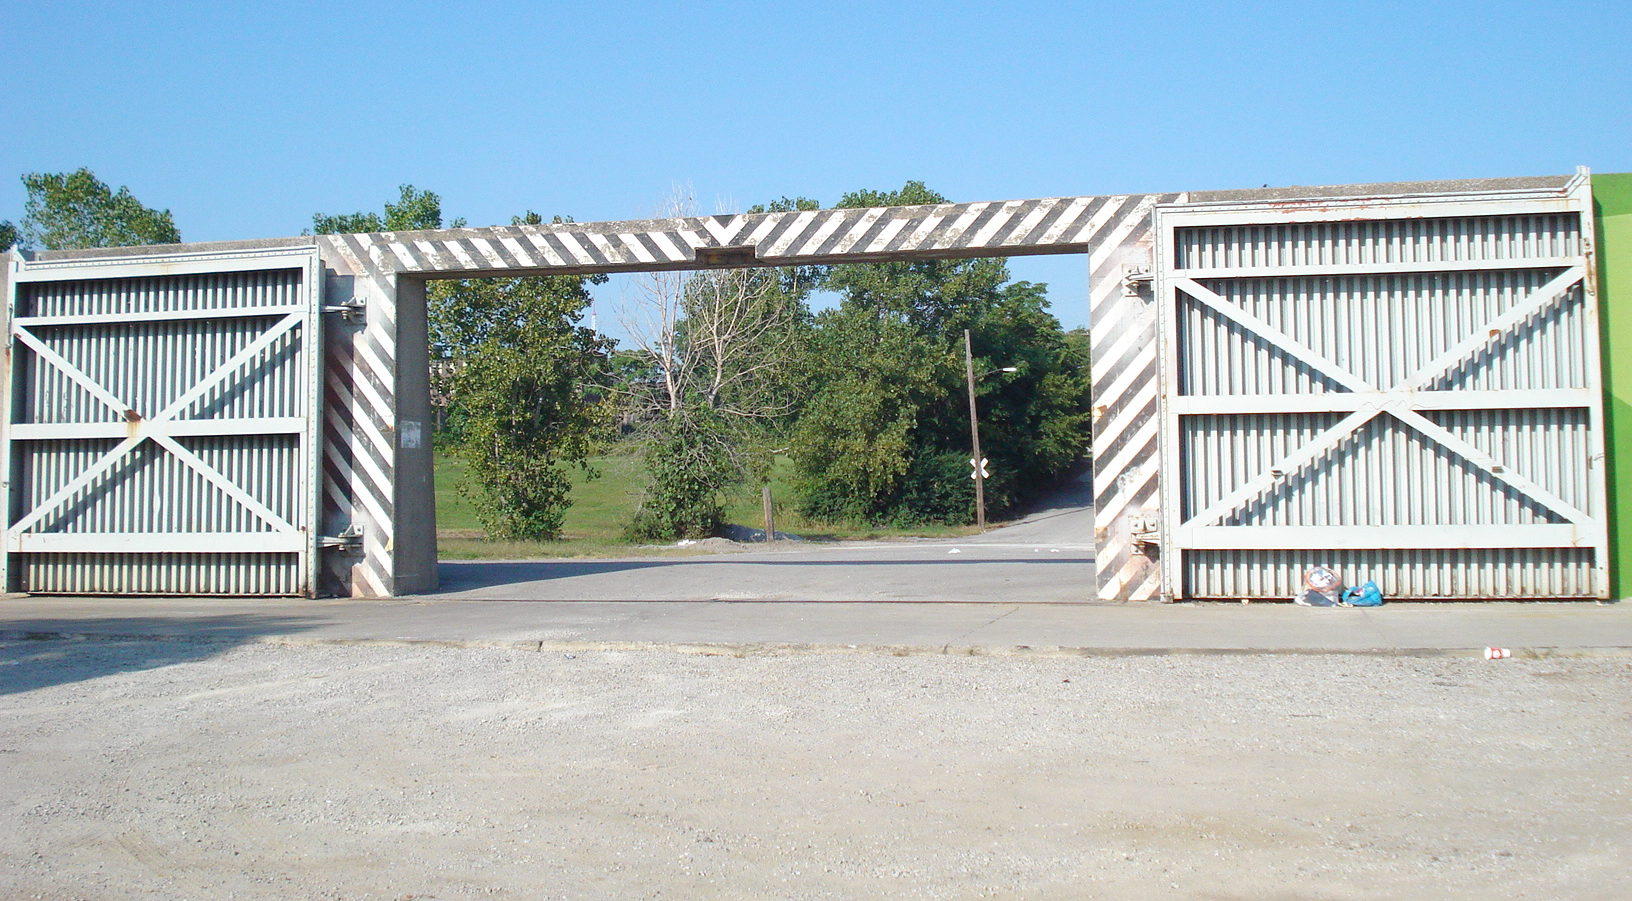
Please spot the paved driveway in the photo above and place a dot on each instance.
(1045, 558)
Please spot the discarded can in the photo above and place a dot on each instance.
(1497, 653)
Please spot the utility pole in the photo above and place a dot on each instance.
(974, 432)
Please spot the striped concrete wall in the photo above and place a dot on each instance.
(361, 422)
(1122, 321)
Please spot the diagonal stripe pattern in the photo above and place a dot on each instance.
(993, 228)
(1123, 339)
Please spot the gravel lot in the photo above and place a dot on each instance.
(189, 770)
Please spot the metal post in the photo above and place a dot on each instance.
(974, 432)
(770, 515)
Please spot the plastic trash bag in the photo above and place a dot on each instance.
(1322, 587)
(1365, 595)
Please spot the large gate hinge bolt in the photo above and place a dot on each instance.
(351, 539)
(350, 311)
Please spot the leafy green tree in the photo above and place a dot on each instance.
(67, 210)
(885, 435)
(413, 211)
(522, 381)
(530, 392)
(692, 455)
(856, 443)
(8, 235)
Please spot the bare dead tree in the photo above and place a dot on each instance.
(721, 337)
(713, 350)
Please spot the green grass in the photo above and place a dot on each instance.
(601, 507)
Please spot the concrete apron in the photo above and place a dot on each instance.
(745, 628)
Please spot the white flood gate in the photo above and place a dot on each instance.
(160, 429)
(1403, 388)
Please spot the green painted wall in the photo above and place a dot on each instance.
(1612, 200)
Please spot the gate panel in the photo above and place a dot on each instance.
(1407, 389)
(159, 437)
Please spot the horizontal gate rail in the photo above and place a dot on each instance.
(28, 322)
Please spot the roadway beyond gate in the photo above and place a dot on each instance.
(1042, 558)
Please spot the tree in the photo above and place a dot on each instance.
(529, 390)
(522, 382)
(711, 389)
(67, 210)
(414, 210)
(856, 448)
(8, 235)
(885, 435)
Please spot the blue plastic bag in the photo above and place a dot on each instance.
(1367, 595)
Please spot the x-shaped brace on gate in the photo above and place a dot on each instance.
(1401, 401)
(160, 427)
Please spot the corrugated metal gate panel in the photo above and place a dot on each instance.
(1408, 390)
(162, 413)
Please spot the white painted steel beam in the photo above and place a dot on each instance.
(223, 484)
(154, 543)
(1319, 270)
(1496, 329)
(175, 262)
(175, 428)
(1496, 469)
(1349, 401)
(1284, 468)
(1339, 538)
(157, 316)
(73, 372)
(1298, 350)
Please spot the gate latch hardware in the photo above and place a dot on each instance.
(349, 540)
(350, 311)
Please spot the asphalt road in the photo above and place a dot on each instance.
(1047, 557)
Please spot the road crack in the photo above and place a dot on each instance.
(946, 648)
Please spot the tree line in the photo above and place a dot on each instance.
(723, 371)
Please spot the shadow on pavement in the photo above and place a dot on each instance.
(40, 653)
(464, 576)
(1074, 491)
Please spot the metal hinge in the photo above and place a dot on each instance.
(351, 539)
(1145, 530)
(350, 311)
(1136, 280)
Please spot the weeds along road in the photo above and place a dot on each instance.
(185, 770)
(1046, 557)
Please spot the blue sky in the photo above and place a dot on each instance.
(244, 120)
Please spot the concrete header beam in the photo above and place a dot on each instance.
(872, 234)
